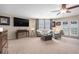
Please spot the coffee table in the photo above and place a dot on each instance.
(46, 37)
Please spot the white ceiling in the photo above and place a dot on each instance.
(35, 10)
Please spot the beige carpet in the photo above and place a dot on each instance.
(34, 45)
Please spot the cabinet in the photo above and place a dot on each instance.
(21, 31)
(3, 42)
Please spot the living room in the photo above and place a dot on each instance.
(31, 28)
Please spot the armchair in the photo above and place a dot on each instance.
(41, 32)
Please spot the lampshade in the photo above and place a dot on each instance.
(1, 29)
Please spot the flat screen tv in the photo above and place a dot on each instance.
(20, 22)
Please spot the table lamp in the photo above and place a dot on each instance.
(1, 29)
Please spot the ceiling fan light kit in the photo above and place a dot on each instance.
(64, 9)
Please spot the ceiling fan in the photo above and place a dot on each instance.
(64, 9)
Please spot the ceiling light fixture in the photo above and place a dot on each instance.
(63, 11)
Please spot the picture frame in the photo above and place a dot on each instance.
(58, 23)
(4, 20)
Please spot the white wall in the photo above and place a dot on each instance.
(32, 24)
(69, 19)
(11, 29)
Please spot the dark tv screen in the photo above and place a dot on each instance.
(21, 22)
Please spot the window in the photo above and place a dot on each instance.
(47, 24)
(73, 22)
(41, 24)
(66, 31)
(44, 24)
(74, 31)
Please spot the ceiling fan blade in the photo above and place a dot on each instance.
(55, 11)
(58, 13)
(68, 11)
(73, 7)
